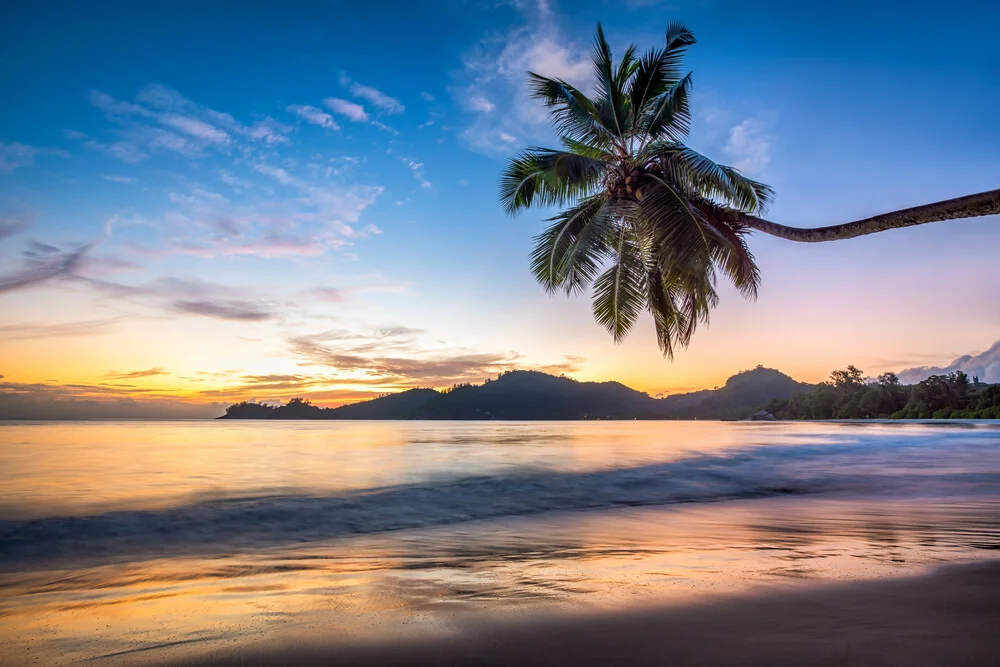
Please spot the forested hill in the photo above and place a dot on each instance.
(530, 395)
(847, 395)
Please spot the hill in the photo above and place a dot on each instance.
(743, 394)
(531, 395)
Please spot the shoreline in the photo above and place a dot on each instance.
(948, 615)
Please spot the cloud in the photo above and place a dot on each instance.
(119, 179)
(135, 375)
(496, 69)
(478, 102)
(30, 331)
(76, 401)
(427, 96)
(349, 110)
(320, 210)
(269, 131)
(42, 263)
(313, 115)
(398, 357)
(234, 181)
(985, 366)
(381, 101)
(385, 128)
(163, 120)
(328, 294)
(188, 296)
(14, 156)
(13, 224)
(417, 168)
(749, 147)
(392, 358)
(341, 294)
(317, 213)
(240, 311)
(196, 128)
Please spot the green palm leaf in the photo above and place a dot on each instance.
(620, 292)
(648, 222)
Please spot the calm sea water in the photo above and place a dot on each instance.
(122, 542)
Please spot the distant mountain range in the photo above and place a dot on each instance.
(531, 395)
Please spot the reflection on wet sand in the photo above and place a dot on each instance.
(416, 583)
(124, 543)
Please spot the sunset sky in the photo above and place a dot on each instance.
(204, 204)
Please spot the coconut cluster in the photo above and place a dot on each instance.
(625, 182)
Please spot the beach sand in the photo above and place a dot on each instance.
(950, 616)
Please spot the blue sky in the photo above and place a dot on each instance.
(257, 200)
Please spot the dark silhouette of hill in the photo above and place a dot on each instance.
(743, 394)
(404, 405)
(534, 395)
(531, 395)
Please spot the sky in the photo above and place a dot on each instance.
(209, 202)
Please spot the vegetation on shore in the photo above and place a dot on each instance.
(847, 395)
(528, 395)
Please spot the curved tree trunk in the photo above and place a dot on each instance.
(970, 206)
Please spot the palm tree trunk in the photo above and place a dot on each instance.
(970, 206)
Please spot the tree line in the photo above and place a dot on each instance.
(847, 395)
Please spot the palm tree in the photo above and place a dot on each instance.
(648, 221)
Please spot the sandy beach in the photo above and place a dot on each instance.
(949, 616)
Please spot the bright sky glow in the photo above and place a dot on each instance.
(203, 205)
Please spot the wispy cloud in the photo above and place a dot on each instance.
(478, 102)
(42, 263)
(749, 146)
(14, 156)
(417, 168)
(349, 110)
(163, 120)
(313, 115)
(379, 99)
(119, 179)
(402, 357)
(41, 331)
(427, 96)
(311, 212)
(188, 296)
(394, 357)
(135, 375)
(96, 401)
(386, 128)
(195, 128)
(14, 223)
(496, 69)
(242, 311)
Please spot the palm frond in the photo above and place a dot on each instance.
(702, 176)
(610, 100)
(620, 292)
(650, 81)
(569, 253)
(573, 113)
(669, 113)
(544, 176)
(734, 257)
(678, 38)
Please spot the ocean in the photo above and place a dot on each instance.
(141, 541)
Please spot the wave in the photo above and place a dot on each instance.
(933, 466)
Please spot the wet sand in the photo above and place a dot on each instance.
(950, 616)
